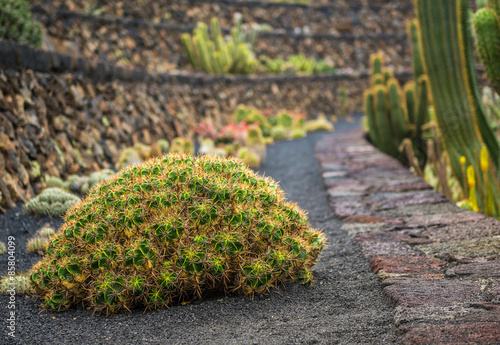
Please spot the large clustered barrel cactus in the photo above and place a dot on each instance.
(175, 229)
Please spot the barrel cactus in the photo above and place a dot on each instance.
(175, 229)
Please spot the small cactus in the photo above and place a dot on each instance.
(37, 244)
(319, 124)
(3, 248)
(20, 283)
(182, 145)
(53, 202)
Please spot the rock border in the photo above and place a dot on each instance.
(437, 263)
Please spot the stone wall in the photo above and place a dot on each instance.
(158, 47)
(78, 119)
(387, 17)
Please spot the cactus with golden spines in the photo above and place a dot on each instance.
(176, 229)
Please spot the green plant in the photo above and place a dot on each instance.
(52, 202)
(487, 33)
(17, 24)
(176, 229)
(182, 145)
(319, 124)
(394, 115)
(446, 47)
(296, 64)
(20, 283)
(213, 54)
(39, 242)
(3, 248)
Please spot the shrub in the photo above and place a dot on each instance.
(176, 229)
(16, 23)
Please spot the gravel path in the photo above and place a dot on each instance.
(343, 306)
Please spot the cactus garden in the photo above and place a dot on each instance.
(270, 171)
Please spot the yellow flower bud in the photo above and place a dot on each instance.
(484, 159)
(471, 178)
(462, 160)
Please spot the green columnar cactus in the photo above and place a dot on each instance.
(417, 63)
(176, 229)
(383, 121)
(405, 112)
(487, 31)
(17, 24)
(211, 53)
(369, 109)
(447, 53)
(376, 63)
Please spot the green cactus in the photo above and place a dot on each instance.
(211, 53)
(17, 24)
(20, 283)
(182, 145)
(397, 115)
(52, 202)
(446, 47)
(417, 63)
(369, 110)
(175, 229)
(376, 63)
(319, 124)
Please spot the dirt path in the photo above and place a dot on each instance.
(344, 305)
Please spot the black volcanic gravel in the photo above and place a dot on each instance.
(343, 306)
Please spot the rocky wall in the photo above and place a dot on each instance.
(74, 122)
(158, 48)
(388, 17)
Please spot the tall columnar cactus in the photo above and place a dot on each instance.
(213, 54)
(487, 32)
(175, 229)
(394, 115)
(445, 42)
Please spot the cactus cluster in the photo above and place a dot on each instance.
(296, 64)
(216, 55)
(53, 202)
(17, 24)
(394, 114)
(176, 229)
(251, 131)
(76, 183)
(141, 152)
